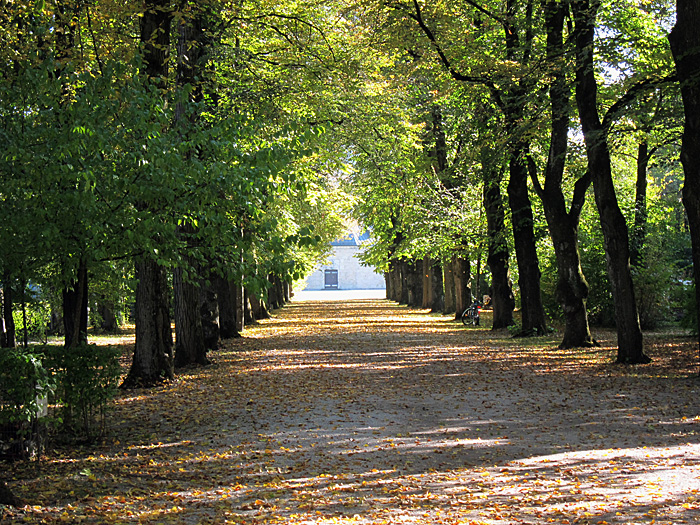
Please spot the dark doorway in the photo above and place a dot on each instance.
(330, 279)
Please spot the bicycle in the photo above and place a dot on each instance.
(471, 316)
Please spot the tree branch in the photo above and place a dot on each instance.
(640, 87)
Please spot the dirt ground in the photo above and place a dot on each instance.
(367, 412)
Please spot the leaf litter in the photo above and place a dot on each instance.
(367, 412)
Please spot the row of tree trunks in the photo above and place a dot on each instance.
(426, 283)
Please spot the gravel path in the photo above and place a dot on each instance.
(366, 412)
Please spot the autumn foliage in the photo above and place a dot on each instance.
(367, 412)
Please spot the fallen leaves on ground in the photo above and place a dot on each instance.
(367, 412)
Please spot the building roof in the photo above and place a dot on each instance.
(351, 239)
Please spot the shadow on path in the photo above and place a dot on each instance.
(367, 412)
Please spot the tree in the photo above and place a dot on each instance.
(572, 289)
(629, 333)
(153, 355)
(685, 45)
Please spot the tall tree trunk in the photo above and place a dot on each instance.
(75, 309)
(403, 281)
(501, 291)
(238, 295)
(106, 310)
(9, 339)
(572, 289)
(639, 231)
(533, 317)
(287, 290)
(189, 335)
(437, 289)
(209, 314)
(153, 351)
(463, 292)
(685, 45)
(227, 308)
(257, 305)
(414, 281)
(427, 282)
(616, 241)
(248, 314)
(449, 277)
(394, 281)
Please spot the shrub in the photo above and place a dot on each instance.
(25, 385)
(87, 378)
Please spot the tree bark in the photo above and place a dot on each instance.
(502, 293)
(639, 231)
(403, 281)
(463, 292)
(209, 314)
(75, 309)
(153, 351)
(414, 282)
(437, 290)
(616, 241)
(258, 307)
(427, 282)
(106, 310)
(685, 46)
(189, 335)
(238, 296)
(227, 309)
(449, 278)
(534, 320)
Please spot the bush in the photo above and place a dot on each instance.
(38, 315)
(87, 378)
(25, 385)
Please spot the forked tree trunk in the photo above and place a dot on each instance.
(685, 45)
(616, 241)
(572, 289)
(533, 317)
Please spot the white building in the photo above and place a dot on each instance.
(343, 270)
